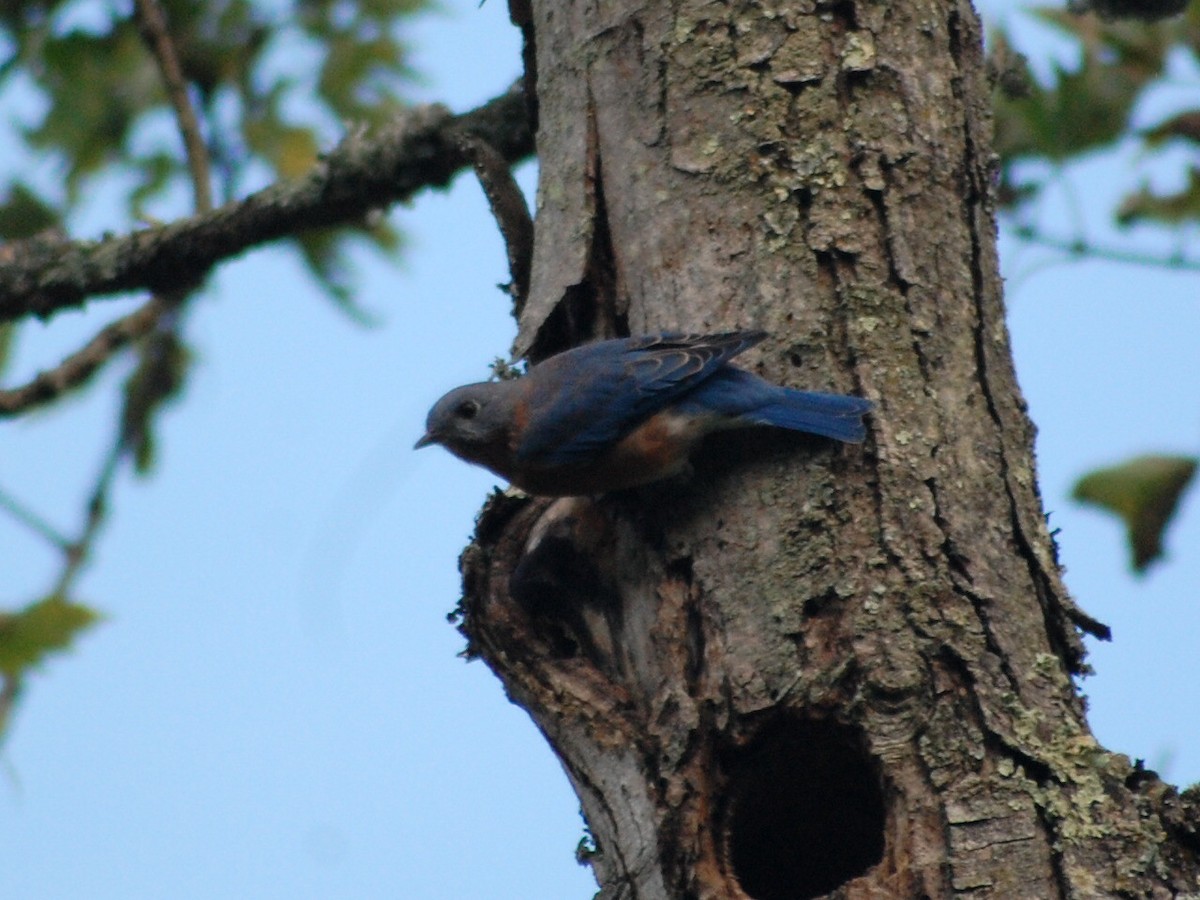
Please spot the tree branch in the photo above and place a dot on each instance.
(77, 553)
(33, 521)
(81, 365)
(152, 23)
(417, 150)
(509, 210)
(1077, 248)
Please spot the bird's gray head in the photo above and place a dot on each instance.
(472, 421)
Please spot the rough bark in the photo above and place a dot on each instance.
(808, 668)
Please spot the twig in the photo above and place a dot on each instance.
(77, 553)
(152, 23)
(415, 151)
(161, 310)
(509, 209)
(145, 391)
(28, 517)
(10, 691)
(1080, 247)
(80, 366)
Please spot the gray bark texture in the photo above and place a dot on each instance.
(810, 669)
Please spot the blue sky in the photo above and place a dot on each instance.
(275, 707)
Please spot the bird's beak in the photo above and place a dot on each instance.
(426, 439)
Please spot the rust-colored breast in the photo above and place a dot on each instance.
(656, 449)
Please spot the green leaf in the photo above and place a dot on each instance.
(1087, 106)
(270, 83)
(355, 76)
(1185, 125)
(1080, 111)
(8, 331)
(326, 254)
(98, 85)
(364, 66)
(24, 214)
(42, 628)
(155, 171)
(1167, 209)
(1143, 491)
(290, 149)
(158, 378)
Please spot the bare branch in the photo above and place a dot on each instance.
(417, 150)
(1080, 247)
(33, 521)
(80, 366)
(77, 553)
(152, 23)
(509, 210)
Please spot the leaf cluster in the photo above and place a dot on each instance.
(271, 84)
(1144, 492)
(1090, 106)
(148, 99)
(29, 635)
(1085, 109)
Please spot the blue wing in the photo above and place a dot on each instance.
(584, 400)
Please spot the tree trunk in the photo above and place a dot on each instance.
(809, 667)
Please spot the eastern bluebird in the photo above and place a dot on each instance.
(620, 413)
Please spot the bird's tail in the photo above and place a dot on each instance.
(733, 397)
(834, 416)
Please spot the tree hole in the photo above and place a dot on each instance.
(806, 813)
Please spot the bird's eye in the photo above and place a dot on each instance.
(467, 409)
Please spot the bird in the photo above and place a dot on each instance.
(624, 412)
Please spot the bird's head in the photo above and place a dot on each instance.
(472, 421)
